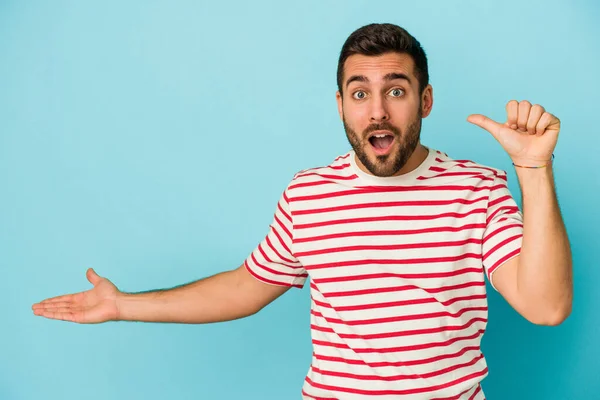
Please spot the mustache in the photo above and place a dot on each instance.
(382, 126)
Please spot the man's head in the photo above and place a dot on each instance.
(383, 93)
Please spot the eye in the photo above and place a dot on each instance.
(359, 95)
(396, 92)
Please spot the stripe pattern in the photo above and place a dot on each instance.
(397, 272)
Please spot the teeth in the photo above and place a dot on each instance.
(380, 136)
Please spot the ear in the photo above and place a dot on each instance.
(427, 101)
(338, 98)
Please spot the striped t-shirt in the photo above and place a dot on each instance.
(397, 272)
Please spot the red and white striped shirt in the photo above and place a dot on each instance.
(397, 272)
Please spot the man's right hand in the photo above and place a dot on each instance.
(96, 305)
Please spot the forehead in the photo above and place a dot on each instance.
(376, 67)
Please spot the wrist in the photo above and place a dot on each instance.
(119, 306)
(532, 163)
(533, 180)
(127, 306)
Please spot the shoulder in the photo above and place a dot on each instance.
(323, 179)
(446, 164)
(338, 169)
(340, 165)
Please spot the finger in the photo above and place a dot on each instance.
(59, 310)
(71, 298)
(66, 297)
(523, 115)
(65, 316)
(46, 306)
(545, 121)
(486, 123)
(512, 110)
(534, 117)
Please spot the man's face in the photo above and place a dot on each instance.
(381, 109)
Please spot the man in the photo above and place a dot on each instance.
(398, 239)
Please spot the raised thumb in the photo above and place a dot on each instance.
(92, 276)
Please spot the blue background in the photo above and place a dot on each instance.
(151, 141)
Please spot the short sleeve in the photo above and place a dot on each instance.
(503, 234)
(272, 261)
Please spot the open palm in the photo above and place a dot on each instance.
(92, 306)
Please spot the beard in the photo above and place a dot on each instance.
(388, 164)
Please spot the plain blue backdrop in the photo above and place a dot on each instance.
(151, 140)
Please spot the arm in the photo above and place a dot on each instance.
(223, 297)
(538, 283)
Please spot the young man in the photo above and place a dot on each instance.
(397, 238)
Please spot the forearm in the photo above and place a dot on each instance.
(214, 299)
(544, 277)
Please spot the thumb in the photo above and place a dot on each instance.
(486, 123)
(92, 276)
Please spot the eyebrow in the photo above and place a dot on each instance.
(388, 77)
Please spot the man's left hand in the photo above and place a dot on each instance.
(529, 134)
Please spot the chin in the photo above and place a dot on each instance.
(385, 166)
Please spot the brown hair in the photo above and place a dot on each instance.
(377, 39)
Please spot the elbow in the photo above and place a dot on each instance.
(553, 316)
(553, 320)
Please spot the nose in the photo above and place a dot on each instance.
(378, 110)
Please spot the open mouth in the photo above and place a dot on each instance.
(381, 142)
